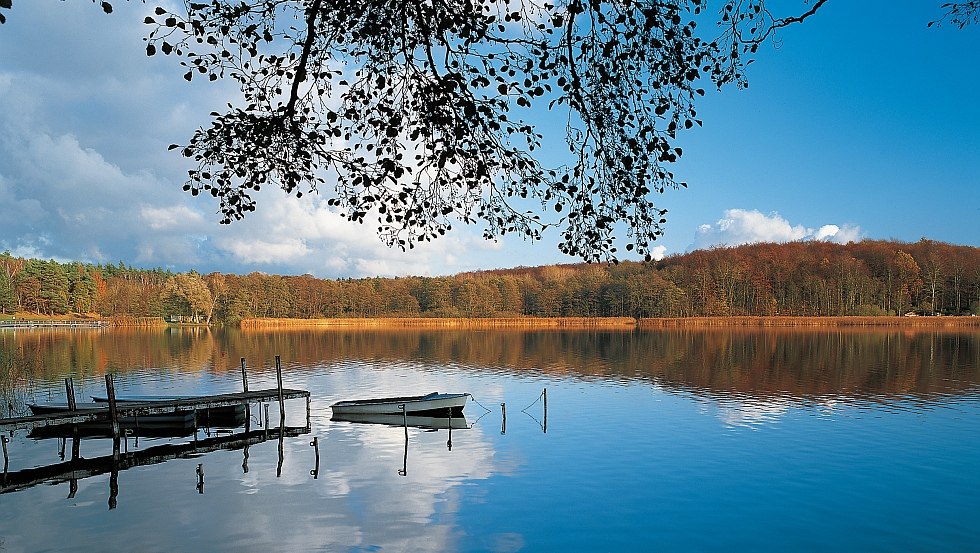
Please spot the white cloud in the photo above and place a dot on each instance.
(170, 217)
(85, 173)
(740, 226)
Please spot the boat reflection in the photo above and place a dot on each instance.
(414, 421)
(427, 423)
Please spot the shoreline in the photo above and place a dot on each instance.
(625, 323)
(799, 321)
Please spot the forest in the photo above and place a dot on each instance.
(812, 278)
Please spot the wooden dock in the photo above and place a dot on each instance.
(127, 409)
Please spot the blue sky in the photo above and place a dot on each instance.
(860, 123)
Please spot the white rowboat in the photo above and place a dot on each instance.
(431, 404)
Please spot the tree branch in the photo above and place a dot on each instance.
(304, 57)
(787, 21)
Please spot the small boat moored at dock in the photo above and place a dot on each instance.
(179, 418)
(223, 414)
(431, 404)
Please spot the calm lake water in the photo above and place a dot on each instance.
(718, 440)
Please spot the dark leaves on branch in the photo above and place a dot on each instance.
(410, 114)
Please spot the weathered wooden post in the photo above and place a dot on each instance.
(5, 439)
(113, 415)
(70, 393)
(200, 478)
(244, 377)
(545, 395)
(282, 406)
(503, 417)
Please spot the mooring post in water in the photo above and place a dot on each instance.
(5, 439)
(315, 444)
(244, 377)
(70, 393)
(503, 418)
(545, 394)
(282, 406)
(200, 478)
(113, 415)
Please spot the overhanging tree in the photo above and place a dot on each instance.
(418, 114)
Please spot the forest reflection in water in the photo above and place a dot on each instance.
(804, 363)
(785, 439)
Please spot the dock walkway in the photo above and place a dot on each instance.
(127, 409)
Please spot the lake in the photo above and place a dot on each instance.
(704, 440)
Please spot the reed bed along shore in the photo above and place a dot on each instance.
(899, 322)
(532, 323)
(444, 322)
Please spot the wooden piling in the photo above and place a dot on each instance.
(113, 415)
(282, 406)
(503, 418)
(70, 394)
(545, 394)
(5, 439)
(244, 377)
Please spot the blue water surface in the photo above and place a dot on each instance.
(731, 442)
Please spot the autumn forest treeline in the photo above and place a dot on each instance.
(868, 278)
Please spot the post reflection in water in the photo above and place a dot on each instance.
(78, 468)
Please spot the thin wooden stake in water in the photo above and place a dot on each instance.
(503, 414)
(282, 407)
(70, 393)
(545, 394)
(244, 377)
(248, 407)
(4, 439)
(113, 418)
